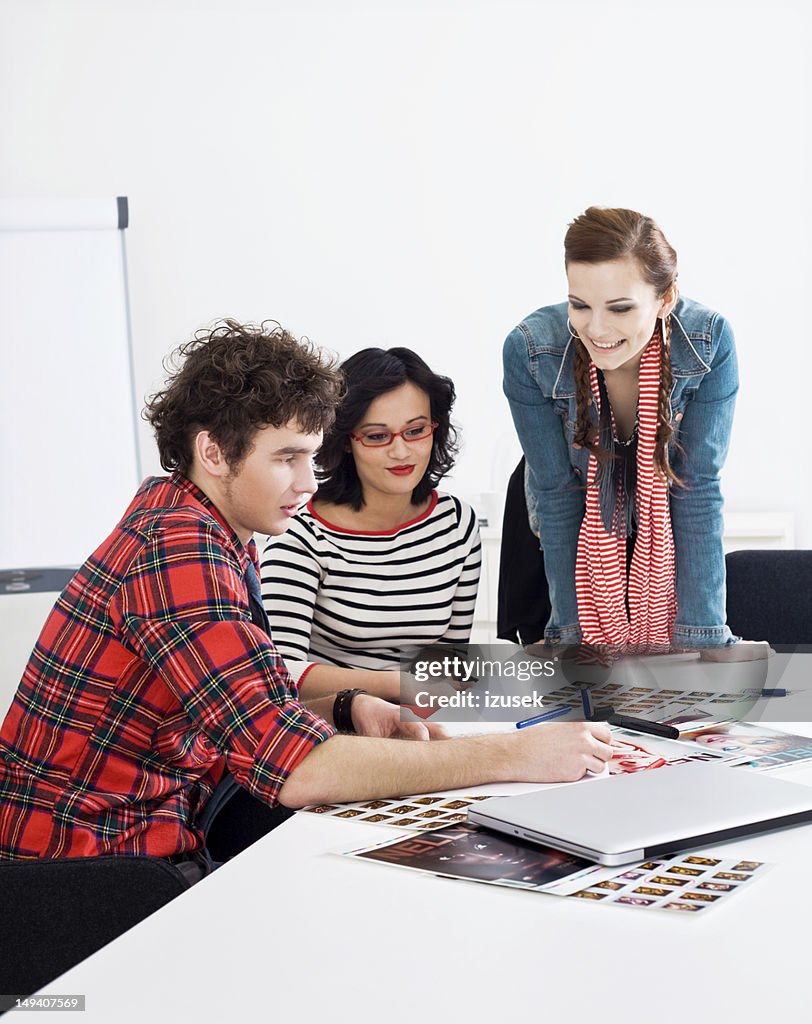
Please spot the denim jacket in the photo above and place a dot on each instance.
(540, 387)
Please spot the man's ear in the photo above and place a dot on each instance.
(208, 455)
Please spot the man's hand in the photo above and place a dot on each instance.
(372, 716)
(363, 768)
(563, 751)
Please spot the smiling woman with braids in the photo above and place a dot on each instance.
(623, 402)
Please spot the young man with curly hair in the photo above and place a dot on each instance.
(154, 691)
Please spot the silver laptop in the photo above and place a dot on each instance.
(624, 818)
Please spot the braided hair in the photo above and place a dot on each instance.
(599, 235)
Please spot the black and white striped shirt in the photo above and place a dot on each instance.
(342, 597)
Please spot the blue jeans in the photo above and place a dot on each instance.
(225, 790)
(197, 865)
(233, 820)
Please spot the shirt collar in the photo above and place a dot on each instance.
(244, 553)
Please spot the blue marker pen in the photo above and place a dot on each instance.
(546, 717)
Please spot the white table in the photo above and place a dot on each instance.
(288, 932)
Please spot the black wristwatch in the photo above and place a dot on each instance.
(342, 710)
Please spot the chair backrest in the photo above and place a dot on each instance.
(57, 912)
(523, 600)
(769, 595)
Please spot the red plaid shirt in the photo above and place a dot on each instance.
(148, 679)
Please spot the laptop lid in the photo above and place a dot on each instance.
(624, 818)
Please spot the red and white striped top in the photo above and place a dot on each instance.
(600, 570)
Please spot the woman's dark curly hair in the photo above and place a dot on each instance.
(368, 374)
(232, 380)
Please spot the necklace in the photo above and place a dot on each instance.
(631, 438)
(617, 476)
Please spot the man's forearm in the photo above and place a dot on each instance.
(346, 768)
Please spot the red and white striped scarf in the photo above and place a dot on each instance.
(600, 569)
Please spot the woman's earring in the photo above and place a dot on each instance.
(573, 334)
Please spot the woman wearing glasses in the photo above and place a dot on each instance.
(378, 560)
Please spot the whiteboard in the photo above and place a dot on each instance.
(68, 427)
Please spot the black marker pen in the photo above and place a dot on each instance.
(643, 725)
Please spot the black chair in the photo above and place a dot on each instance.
(769, 596)
(523, 600)
(57, 912)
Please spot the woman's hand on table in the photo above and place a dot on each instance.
(372, 716)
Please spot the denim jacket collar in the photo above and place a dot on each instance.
(685, 360)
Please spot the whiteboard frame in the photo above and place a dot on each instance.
(72, 214)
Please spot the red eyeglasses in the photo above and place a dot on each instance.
(382, 438)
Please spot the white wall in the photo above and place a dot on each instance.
(387, 173)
